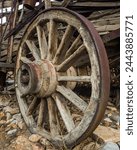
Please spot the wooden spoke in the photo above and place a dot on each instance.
(72, 97)
(64, 112)
(73, 46)
(41, 112)
(52, 39)
(42, 42)
(33, 105)
(64, 44)
(75, 78)
(71, 59)
(35, 52)
(25, 60)
(53, 118)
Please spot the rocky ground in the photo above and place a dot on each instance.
(15, 136)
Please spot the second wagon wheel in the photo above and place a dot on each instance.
(60, 54)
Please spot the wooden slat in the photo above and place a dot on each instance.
(65, 113)
(42, 42)
(72, 97)
(71, 59)
(75, 78)
(41, 112)
(25, 60)
(35, 102)
(96, 4)
(53, 118)
(33, 49)
(7, 3)
(52, 39)
(64, 44)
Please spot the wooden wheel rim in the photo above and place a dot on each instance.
(99, 78)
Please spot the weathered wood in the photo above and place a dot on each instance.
(72, 97)
(32, 107)
(42, 42)
(64, 112)
(96, 4)
(53, 118)
(71, 59)
(107, 28)
(75, 78)
(7, 3)
(73, 46)
(7, 65)
(53, 39)
(32, 47)
(41, 112)
(65, 41)
(25, 60)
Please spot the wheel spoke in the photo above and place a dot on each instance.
(42, 42)
(75, 78)
(35, 52)
(41, 112)
(53, 118)
(25, 60)
(35, 102)
(52, 39)
(72, 97)
(64, 44)
(71, 59)
(73, 46)
(64, 112)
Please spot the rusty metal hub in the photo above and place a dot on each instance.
(37, 78)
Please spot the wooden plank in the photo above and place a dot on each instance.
(7, 3)
(64, 112)
(53, 118)
(41, 115)
(42, 42)
(52, 39)
(33, 105)
(64, 44)
(96, 4)
(32, 47)
(72, 97)
(71, 59)
(7, 65)
(75, 78)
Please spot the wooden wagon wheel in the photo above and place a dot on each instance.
(56, 47)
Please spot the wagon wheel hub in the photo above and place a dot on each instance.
(37, 78)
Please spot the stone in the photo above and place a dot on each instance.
(106, 134)
(115, 117)
(90, 146)
(3, 102)
(12, 125)
(8, 116)
(44, 141)
(107, 122)
(12, 132)
(21, 125)
(11, 110)
(17, 117)
(2, 122)
(37, 146)
(2, 116)
(110, 146)
(112, 108)
(22, 143)
(34, 138)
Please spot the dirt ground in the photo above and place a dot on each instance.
(15, 136)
